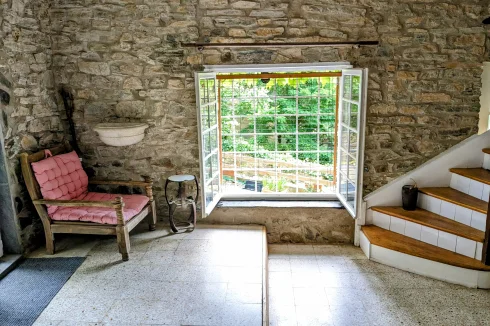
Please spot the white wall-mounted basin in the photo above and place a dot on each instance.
(121, 134)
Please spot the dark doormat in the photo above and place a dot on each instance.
(28, 289)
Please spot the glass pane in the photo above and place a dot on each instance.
(244, 125)
(245, 161)
(308, 105)
(203, 91)
(352, 174)
(286, 124)
(286, 142)
(286, 106)
(326, 142)
(327, 123)
(352, 143)
(227, 144)
(266, 142)
(226, 90)
(308, 123)
(354, 109)
(213, 118)
(265, 124)
(227, 160)
(344, 138)
(211, 90)
(204, 118)
(343, 166)
(308, 86)
(347, 87)
(345, 112)
(265, 106)
(328, 86)
(286, 86)
(214, 163)
(208, 169)
(245, 107)
(245, 143)
(207, 143)
(327, 104)
(351, 195)
(307, 142)
(226, 107)
(356, 87)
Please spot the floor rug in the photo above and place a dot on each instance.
(28, 289)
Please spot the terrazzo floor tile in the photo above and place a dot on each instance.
(352, 290)
(212, 276)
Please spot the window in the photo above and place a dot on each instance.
(281, 134)
(278, 133)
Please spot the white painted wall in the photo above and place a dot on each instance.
(434, 173)
(484, 123)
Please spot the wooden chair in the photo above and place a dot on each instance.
(121, 229)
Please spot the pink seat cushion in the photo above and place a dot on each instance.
(61, 177)
(133, 204)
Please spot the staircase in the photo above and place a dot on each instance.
(444, 237)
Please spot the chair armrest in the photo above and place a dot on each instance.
(76, 203)
(121, 183)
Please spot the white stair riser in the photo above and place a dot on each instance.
(429, 235)
(486, 161)
(471, 187)
(452, 211)
(421, 266)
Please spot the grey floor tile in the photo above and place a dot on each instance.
(244, 293)
(314, 315)
(282, 315)
(77, 309)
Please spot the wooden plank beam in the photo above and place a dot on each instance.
(278, 75)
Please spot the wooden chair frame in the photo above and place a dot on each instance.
(121, 229)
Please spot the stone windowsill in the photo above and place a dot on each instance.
(281, 203)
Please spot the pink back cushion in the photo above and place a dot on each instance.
(61, 177)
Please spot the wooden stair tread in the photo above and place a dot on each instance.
(397, 242)
(477, 174)
(456, 197)
(486, 150)
(426, 218)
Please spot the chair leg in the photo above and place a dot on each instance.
(171, 210)
(152, 218)
(123, 241)
(50, 246)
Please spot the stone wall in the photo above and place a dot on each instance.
(123, 61)
(31, 120)
(291, 224)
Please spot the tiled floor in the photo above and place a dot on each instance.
(212, 276)
(337, 285)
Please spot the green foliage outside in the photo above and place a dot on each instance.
(314, 108)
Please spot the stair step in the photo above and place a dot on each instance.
(456, 197)
(477, 174)
(435, 221)
(397, 242)
(486, 150)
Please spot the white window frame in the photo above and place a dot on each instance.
(344, 66)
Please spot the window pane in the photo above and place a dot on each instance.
(327, 123)
(307, 142)
(354, 109)
(226, 107)
(286, 105)
(265, 106)
(286, 124)
(286, 142)
(352, 143)
(308, 87)
(211, 90)
(245, 107)
(212, 114)
(352, 174)
(345, 112)
(356, 86)
(344, 138)
(327, 104)
(351, 196)
(265, 124)
(347, 87)
(286, 86)
(307, 123)
(244, 143)
(308, 105)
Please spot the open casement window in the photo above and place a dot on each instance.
(209, 144)
(350, 149)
